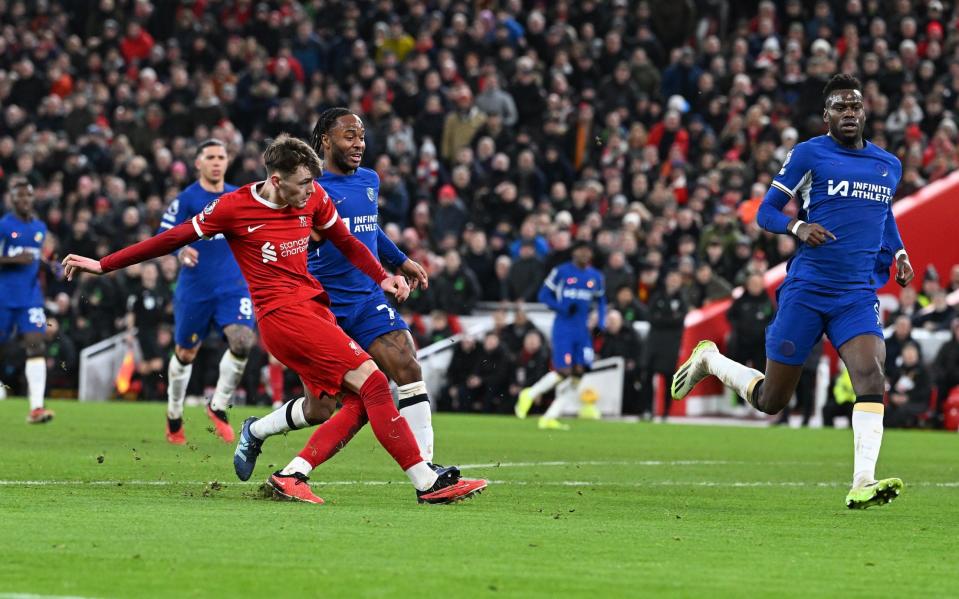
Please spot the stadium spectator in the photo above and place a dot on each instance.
(706, 287)
(937, 315)
(487, 385)
(619, 339)
(667, 311)
(901, 335)
(908, 305)
(62, 359)
(149, 305)
(531, 364)
(514, 334)
(910, 387)
(748, 317)
(525, 274)
(945, 368)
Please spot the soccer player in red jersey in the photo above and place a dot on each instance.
(268, 225)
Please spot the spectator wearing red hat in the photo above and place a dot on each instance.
(450, 216)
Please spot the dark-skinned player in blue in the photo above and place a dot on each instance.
(844, 186)
(21, 299)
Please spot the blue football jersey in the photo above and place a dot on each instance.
(849, 192)
(355, 198)
(216, 273)
(19, 285)
(570, 291)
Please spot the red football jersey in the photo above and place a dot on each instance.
(269, 242)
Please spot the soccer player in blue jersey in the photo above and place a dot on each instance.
(21, 300)
(210, 291)
(571, 289)
(844, 186)
(360, 306)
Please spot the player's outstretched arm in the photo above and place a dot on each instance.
(154, 247)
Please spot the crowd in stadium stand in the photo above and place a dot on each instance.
(501, 132)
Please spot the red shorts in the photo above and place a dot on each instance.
(306, 339)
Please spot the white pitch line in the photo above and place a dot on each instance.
(605, 463)
(560, 483)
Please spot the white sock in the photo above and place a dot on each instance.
(422, 476)
(867, 438)
(563, 399)
(739, 378)
(287, 417)
(418, 416)
(545, 384)
(178, 377)
(36, 371)
(231, 369)
(298, 465)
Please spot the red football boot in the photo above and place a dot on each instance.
(221, 425)
(293, 487)
(445, 492)
(39, 416)
(177, 438)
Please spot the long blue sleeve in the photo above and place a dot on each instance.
(394, 256)
(890, 234)
(548, 297)
(601, 312)
(770, 216)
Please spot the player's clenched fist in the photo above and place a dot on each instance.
(904, 272)
(813, 234)
(73, 264)
(396, 285)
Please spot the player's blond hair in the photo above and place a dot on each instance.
(287, 153)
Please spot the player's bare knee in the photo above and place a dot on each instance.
(35, 348)
(408, 371)
(867, 378)
(241, 342)
(356, 378)
(186, 355)
(771, 401)
(318, 410)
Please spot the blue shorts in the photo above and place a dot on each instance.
(192, 319)
(572, 348)
(21, 321)
(805, 314)
(367, 320)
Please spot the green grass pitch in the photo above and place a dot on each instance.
(607, 509)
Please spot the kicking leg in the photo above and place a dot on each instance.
(395, 354)
(324, 443)
(864, 356)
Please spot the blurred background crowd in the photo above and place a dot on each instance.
(502, 132)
